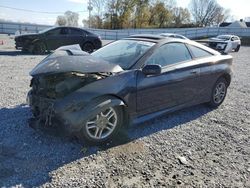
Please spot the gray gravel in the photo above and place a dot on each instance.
(195, 147)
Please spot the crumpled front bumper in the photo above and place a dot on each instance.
(45, 116)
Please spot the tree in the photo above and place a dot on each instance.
(222, 16)
(68, 19)
(180, 16)
(206, 12)
(61, 21)
(160, 16)
(141, 14)
(72, 18)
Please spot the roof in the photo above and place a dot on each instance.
(147, 36)
(225, 24)
(239, 24)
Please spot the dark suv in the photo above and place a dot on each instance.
(52, 38)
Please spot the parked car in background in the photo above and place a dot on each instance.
(225, 43)
(129, 80)
(173, 35)
(52, 38)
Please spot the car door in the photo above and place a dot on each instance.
(176, 85)
(76, 36)
(56, 38)
(206, 61)
(235, 42)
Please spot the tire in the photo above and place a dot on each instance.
(219, 93)
(88, 47)
(39, 48)
(25, 50)
(237, 49)
(103, 126)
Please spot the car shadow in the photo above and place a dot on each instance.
(27, 156)
(17, 53)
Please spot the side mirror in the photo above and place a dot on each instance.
(151, 69)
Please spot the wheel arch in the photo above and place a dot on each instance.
(227, 77)
(86, 42)
(41, 41)
(116, 101)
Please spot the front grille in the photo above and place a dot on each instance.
(46, 86)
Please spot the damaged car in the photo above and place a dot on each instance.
(126, 82)
(225, 43)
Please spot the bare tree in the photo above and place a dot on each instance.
(205, 12)
(72, 18)
(222, 16)
(61, 21)
(68, 19)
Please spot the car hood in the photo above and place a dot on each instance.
(217, 39)
(27, 35)
(69, 60)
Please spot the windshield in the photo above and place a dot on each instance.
(225, 37)
(123, 52)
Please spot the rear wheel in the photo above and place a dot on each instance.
(88, 47)
(219, 92)
(103, 125)
(237, 49)
(39, 48)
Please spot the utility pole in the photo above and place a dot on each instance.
(90, 8)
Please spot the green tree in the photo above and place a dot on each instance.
(160, 16)
(180, 16)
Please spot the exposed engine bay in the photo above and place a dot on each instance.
(60, 85)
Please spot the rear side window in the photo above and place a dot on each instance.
(198, 52)
(169, 54)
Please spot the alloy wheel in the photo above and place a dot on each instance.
(102, 125)
(219, 92)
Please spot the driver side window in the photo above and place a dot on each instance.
(169, 54)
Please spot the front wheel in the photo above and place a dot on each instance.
(237, 49)
(219, 92)
(88, 47)
(39, 48)
(103, 125)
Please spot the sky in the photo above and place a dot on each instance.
(239, 9)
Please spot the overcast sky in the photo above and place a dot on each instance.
(239, 9)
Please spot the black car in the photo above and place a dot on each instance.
(52, 38)
(129, 80)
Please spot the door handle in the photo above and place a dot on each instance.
(194, 72)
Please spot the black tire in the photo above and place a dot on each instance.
(218, 95)
(86, 135)
(237, 49)
(88, 47)
(25, 50)
(39, 48)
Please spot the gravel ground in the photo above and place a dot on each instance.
(195, 147)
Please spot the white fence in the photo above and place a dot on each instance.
(191, 33)
(11, 28)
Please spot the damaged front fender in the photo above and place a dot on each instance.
(75, 120)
